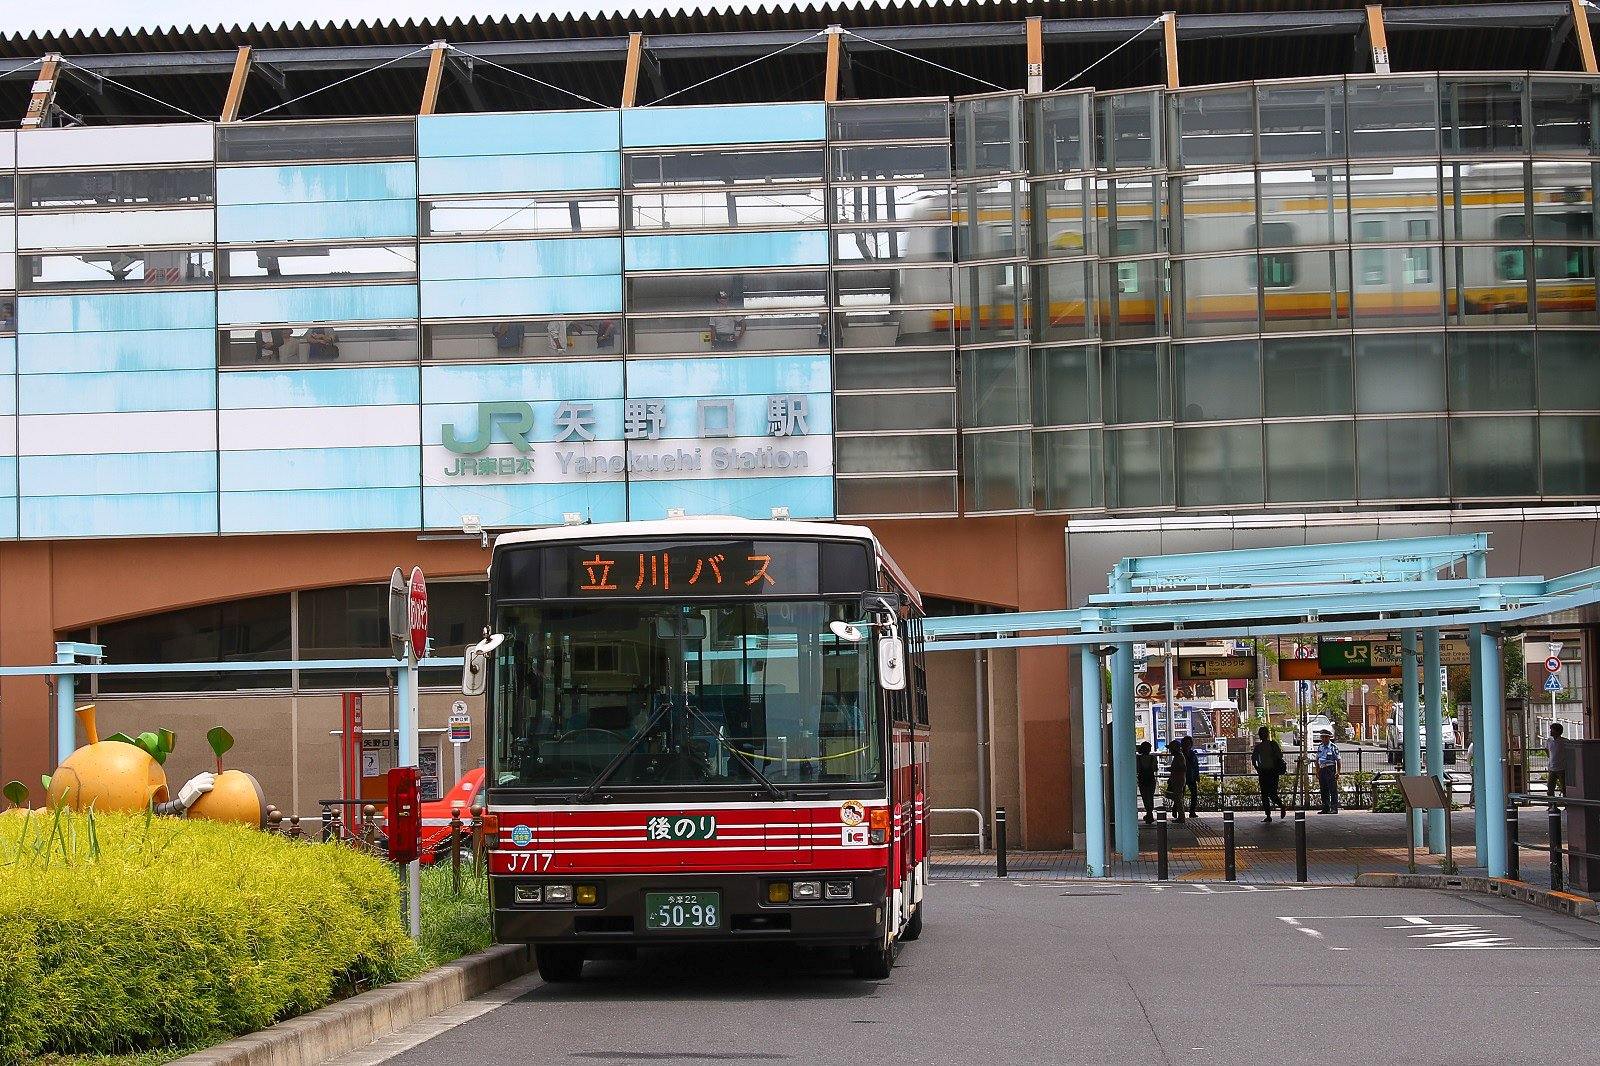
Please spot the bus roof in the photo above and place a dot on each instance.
(714, 526)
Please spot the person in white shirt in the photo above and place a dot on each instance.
(1328, 766)
(1555, 746)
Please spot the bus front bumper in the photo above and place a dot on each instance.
(745, 912)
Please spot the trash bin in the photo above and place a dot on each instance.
(1583, 822)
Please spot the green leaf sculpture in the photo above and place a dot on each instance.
(221, 742)
(16, 792)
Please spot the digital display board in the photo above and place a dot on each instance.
(713, 568)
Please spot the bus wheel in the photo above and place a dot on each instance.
(913, 928)
(872, 962)
(558, 963)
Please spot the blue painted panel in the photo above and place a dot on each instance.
(8, 355)
(514, 297)
(156, 349)
(304, 510)
(768, 375)
(314, 222)
(316, 183)
(146, 515)
(689, 251)
(321, 468)
(738, 124)
(555, 257)
(117, 311)
(165, 390)
(469, 383)
(517, 133)
(520, 173)
(356, 386)
(755, 497)
(519, 506)
(354, 303)
(114, 474)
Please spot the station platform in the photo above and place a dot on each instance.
(1339, 847)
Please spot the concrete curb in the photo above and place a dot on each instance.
(359, 1020)
(1563, 902)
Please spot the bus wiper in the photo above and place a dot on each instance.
(628, 749)
(749, 763)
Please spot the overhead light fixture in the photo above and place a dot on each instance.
(780, 514)
(471, 523)
(572, 518)
(674, 512)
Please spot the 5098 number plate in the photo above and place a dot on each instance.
(683, 910)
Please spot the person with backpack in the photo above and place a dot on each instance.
(1267, 758)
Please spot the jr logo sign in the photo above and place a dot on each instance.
(516, 421)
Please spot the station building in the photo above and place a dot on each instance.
(1026, 287)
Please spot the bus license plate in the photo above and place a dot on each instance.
(683, 910)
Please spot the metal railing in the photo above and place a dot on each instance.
(1554, 848)
(977, 817)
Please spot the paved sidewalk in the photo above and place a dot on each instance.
(1339, 847)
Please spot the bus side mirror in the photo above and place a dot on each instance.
(475, 667)
(892, 662)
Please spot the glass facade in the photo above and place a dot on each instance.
(1332, 292)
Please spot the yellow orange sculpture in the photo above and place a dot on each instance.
(123, 773)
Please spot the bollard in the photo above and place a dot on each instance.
(1556, 880)
(1229, 872)
(327, 823)
(455, 850)
(1000, 842)
(1300, 873)
(274, 820)
(294, 827)
(1161, 845)
(1513, 846)
(369, 828)
(477, 845)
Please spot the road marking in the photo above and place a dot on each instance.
(1312, 933)
(1475, 934)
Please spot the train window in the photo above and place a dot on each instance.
(1373, 261)
(1419, 261)
(1276, 270)
(1552, 262)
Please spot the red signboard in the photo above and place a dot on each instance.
(417, 614)
(350, 745)
(405, 815)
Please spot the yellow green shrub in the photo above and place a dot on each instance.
(124, 932)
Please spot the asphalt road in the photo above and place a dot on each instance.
(1050, 972)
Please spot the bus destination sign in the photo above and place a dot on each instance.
(746, 568)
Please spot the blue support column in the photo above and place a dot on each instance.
(1479, 830)
(66, 696)
(1491, 752)
(1413, 722)
(1125, 797)
(1094, 797)
(1433, 710)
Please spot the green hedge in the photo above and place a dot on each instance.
(453, 925)
(123, 932)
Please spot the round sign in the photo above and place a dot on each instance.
(417, 613)
(397, 613)
(1552, 664)
(852, 812)
(459, 707)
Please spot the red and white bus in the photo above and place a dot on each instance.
(703, 730)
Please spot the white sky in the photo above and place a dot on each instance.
(30, 16)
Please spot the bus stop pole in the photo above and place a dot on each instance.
(1479, 833)
(1094, 797)
(1433, 712)
(1125, 795)
(406, 721)
(1491, 753)
(1413, 737)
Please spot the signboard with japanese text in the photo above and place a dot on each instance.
(1350, 658)
(1392, 653)
(1215, 667)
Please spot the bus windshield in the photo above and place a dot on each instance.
(630, 695)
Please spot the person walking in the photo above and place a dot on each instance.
(1177, 773)
(1328, 766)
(1191, 766)
(1267, 758)
(1146, 763)
(1555, 746)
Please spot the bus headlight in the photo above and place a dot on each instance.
(558, 894)
(807, 890)
(528, 894)
(838, 890)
